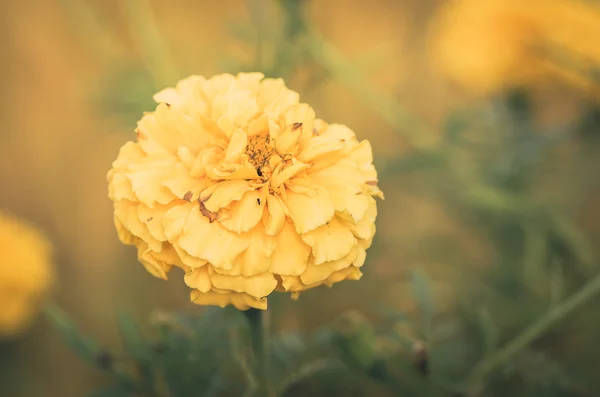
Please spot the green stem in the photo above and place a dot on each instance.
(532, 332)
(260, 344)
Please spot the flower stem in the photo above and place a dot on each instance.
(259, 328)
(532, 332)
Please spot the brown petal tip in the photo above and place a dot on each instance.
(187, 196)
(295, 126)
(372, 183)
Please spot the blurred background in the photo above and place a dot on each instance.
(483, 117)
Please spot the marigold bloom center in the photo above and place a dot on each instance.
(259, 151)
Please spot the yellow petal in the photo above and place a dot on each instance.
(120, 187)
(275, 97)
(308, 213)
(330, 242)
(257, 258)
(188, 260)
(361, 257)
(240, 301)
(210, 298)
(350, 273)
(179, 181)
(152, 218)
(339, 132)
(319, 146)
(258, 126)
(169, 128)
(211, 241)
(128, 154)
(155, 267)
(237, 146)
(126, 213)
(244, 214)
(291, 253)
(276, 217)
(304, 115)
(148, 188)
(258, 286)
(175, 218)
(344, 183)
(168, 95)
(365, 228)
(198, 279)
(223, 193)
(287, 140)
(286, 174)
(319, 272)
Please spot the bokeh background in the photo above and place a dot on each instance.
(482, 114)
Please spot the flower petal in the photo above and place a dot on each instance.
(330, 242)
(257, 286)
(223, 193)
(287, 173)
(211, 241)
(174, 220)
(291, 253)
(320, 146)
(308, 213)
(244, 214)
(319, 272)
(198, 279)
(257, 258)
(276, 218)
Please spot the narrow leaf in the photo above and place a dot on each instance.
(85, 347)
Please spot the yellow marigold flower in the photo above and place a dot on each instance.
(26, 273)
(490, 45)
(237, 183)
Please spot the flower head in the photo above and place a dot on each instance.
(26, 273)
(237, 183)
(490, 45)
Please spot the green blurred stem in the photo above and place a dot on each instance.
(259, 327)
(413, 129)
(531, 333)
(150, 43)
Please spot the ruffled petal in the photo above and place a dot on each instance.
(244, 214)
(223, 193)
(291, 254)
(319, 272)
(309, 212)
(330, 242)
(199, 279)
(211, 241)
(276, 210)
(257, 286)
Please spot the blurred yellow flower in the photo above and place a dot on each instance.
(237, 183)
(490, 45)
(26, 273)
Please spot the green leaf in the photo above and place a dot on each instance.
(133, 340)
(489, 330)
(85, 347)
(112, 391)
(421, 294)
(136, 345)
